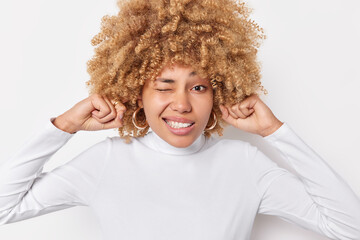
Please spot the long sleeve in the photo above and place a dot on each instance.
(318, 199)
(26, 191)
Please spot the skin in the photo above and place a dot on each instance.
(91, 114)
(187, 96)
(251, 115)
(177, 92)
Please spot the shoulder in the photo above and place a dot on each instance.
(235, 146)
(102, 145)
(256, 161)
(248, 150)
(91, 159)
(116, 143)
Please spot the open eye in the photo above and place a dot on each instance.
(199, 88)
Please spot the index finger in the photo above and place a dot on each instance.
(118, 105)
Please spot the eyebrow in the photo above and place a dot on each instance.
(167, 80)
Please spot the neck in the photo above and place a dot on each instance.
(154, 141)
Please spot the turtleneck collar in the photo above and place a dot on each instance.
(155, 142)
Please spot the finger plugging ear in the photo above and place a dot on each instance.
(237, 111)
(245, 109)
(120, 109)
(224, 111)
(226, 115)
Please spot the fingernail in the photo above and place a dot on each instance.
(121, 115)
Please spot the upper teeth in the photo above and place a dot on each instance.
(178, 124)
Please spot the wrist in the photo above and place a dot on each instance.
(270, 130)
(63, 124)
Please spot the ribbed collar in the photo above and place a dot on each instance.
(155, 142)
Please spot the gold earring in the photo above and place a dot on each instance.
(134, 120)
(214, 122)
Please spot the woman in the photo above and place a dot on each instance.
(167, 87)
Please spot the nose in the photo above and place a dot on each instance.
(181, 103)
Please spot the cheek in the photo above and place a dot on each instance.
(204, 106)
(154, 105)
(209, 99)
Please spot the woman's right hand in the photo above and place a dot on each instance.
(93, 113)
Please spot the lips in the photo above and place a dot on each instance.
(178, 119)
(178, 125)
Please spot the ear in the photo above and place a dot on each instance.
(140, 102)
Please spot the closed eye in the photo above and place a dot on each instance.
(163, 90)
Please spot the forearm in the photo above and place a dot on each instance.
(271, 129)
(63, 124)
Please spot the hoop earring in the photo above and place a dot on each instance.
(214, 123)
(134, 120)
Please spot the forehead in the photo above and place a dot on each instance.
(174, 73)
(173, 77)
(177, 69)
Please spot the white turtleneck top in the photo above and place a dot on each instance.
(150, 190)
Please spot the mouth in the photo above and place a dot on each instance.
(177, 124)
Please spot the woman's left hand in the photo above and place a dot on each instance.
(251, 115)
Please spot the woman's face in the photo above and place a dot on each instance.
(177, 105)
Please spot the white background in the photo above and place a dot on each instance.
(310, 66)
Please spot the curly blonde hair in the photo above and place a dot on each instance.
(215, 37)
